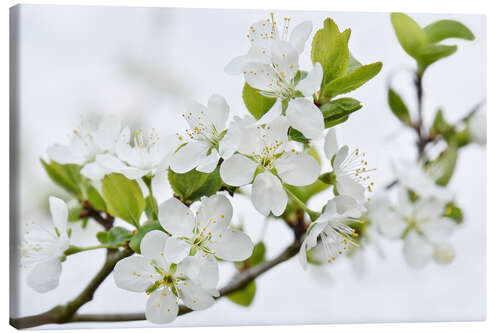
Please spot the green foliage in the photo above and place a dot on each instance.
(342, 73)
(256, 103)
(65, 175)
(454, 213)
(443, 167)
(440, 126)
(353, 80)
(444, 29)
(94, 197)
(114, 237)
(192, 185)
(338, 110)
(123, 198)
(398, 107)
(245, 296)
(295, 135)
(151, 209)
(421, 44)
(135, 241)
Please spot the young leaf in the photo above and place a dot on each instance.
(339, 109)
(352, 81)
(135, 241)
(444, 29)
(123, 198)
(245, 296)
(295, 135)
(114, 237)
(443, 167)
(440, 126)
(429, 54)
(398, 107)
(192, 185)
(95, 198)
(353, 63)
(65, 175)
(322, 41)
(256, 103)
(409, 34)
(151, 208)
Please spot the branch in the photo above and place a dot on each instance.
(240, 281)
(64, 313)
(89, 211)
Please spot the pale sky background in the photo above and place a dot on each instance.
(143, 63)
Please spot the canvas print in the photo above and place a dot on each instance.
(200, 167)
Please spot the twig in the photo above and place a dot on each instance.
(240, 281)
(64, 313)
(89, 211)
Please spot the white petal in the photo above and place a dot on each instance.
(229, 144)
(331, 144)
(45, 275)
(94, 171)
(208, 163)
(303, 256)
(189, 156)
(209, 274)
(215, 213)
(110, 162)
(444, 253)
(161, 186)
(312, 82)
(299, 35)
(417, 250)
(273, 113)
(438, 230)
(298, 169)
(262, 77)
(153, 245)
(108, 132)
(238, 170)
(64, 155)
(306, 117)
(133, 173)
(268, 194)
(134, 274)
(59, 212)
(176, 250)
(218, 111)
(194, 297)
(176, 218)
(285, 59)
(233, 245)
(161, 307)
(340, 158)
(236, 65)
(348, 186)
(348, 206)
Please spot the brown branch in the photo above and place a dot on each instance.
(89, 211)
(64, 313)
(240, 281)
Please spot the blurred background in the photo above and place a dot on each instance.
(144, 63)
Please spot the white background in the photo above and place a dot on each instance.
(397, 293)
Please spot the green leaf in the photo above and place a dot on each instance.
(256, 103)
(409, 34)
(322, 41)
(151, 208)
(353, 80)
(65, 175)
(123, 198)
(353, 63)
(398, 107)
(339, 109)
(258, 255)
(440, 126)
(115, 237)
(192, 185)
(74, 211)
(431, 53)
(295, 135)
(135, 241)
(95, 198)
(245, 296)
(444, 29)
(443, 167)
(454, 213)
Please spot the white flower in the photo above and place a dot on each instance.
(165, 282)
(421, 224)
(412, 176)
(87, 142)
(43, 248)
(267, 152)
(206, 232)
(350, 169)
(328, 237)
(149, 155)
(210, 140)
(271, 66)
(477, 128)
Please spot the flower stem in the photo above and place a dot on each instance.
(77, 249)
(312, 214)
